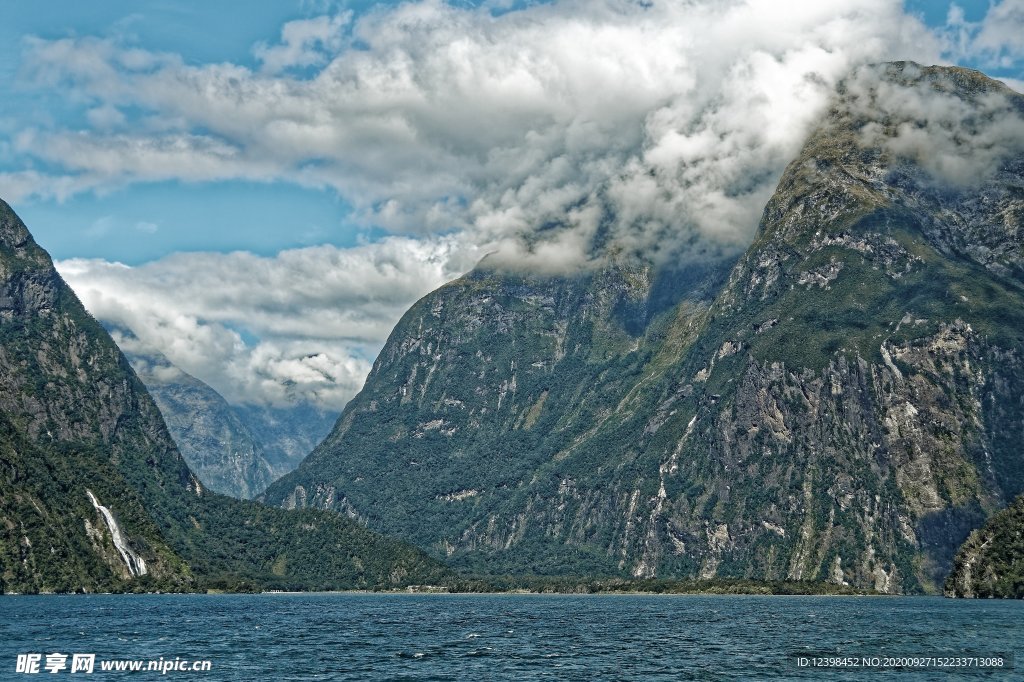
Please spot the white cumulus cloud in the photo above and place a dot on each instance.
(304, 42)
(959, 140)
(997, 40)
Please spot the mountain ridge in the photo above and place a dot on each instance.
(237, 450)
(212, 439)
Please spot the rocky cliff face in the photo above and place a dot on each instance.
(470, 395)
(847, 406)
(93, 492)
(237, 450)
(286, 434)
(75, 429)
(218, 447)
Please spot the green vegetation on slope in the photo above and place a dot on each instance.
(991, 562)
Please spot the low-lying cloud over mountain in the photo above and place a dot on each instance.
(960, 142)
(660, 127)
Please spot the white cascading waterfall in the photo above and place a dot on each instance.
(136, 564)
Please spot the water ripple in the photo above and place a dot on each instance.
(515, 637)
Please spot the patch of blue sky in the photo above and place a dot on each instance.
(936, 13)
(248, 338)
(500, 7)
(146, 221)
(201, 32)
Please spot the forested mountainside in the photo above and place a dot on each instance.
(991, 562)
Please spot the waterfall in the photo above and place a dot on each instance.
(136, 564)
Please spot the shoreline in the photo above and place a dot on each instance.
(415, 591)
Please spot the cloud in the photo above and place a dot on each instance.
(1013, 83)
(303, 325)
(17, 186)
(958, 133)
(304, 42)
(105, 117)
(996, 40)
(542, 131)
(539, 134)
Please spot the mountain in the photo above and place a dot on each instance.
(844, 402)
(478, 389)
(94, 494)
(237, 450)
(215, 443)
(286, 434)
(991, 562)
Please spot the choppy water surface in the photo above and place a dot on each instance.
(521, 637)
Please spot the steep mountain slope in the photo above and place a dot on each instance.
(991, 562)
(848, 408)
(479, 384)
(63, 396)
(286, 434)
(859, 384)
(214, 441)
(93, 492)
(237, 450)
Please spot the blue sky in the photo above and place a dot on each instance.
(259, 190)
(221, 216)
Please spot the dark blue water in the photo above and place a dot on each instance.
(507, 637)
